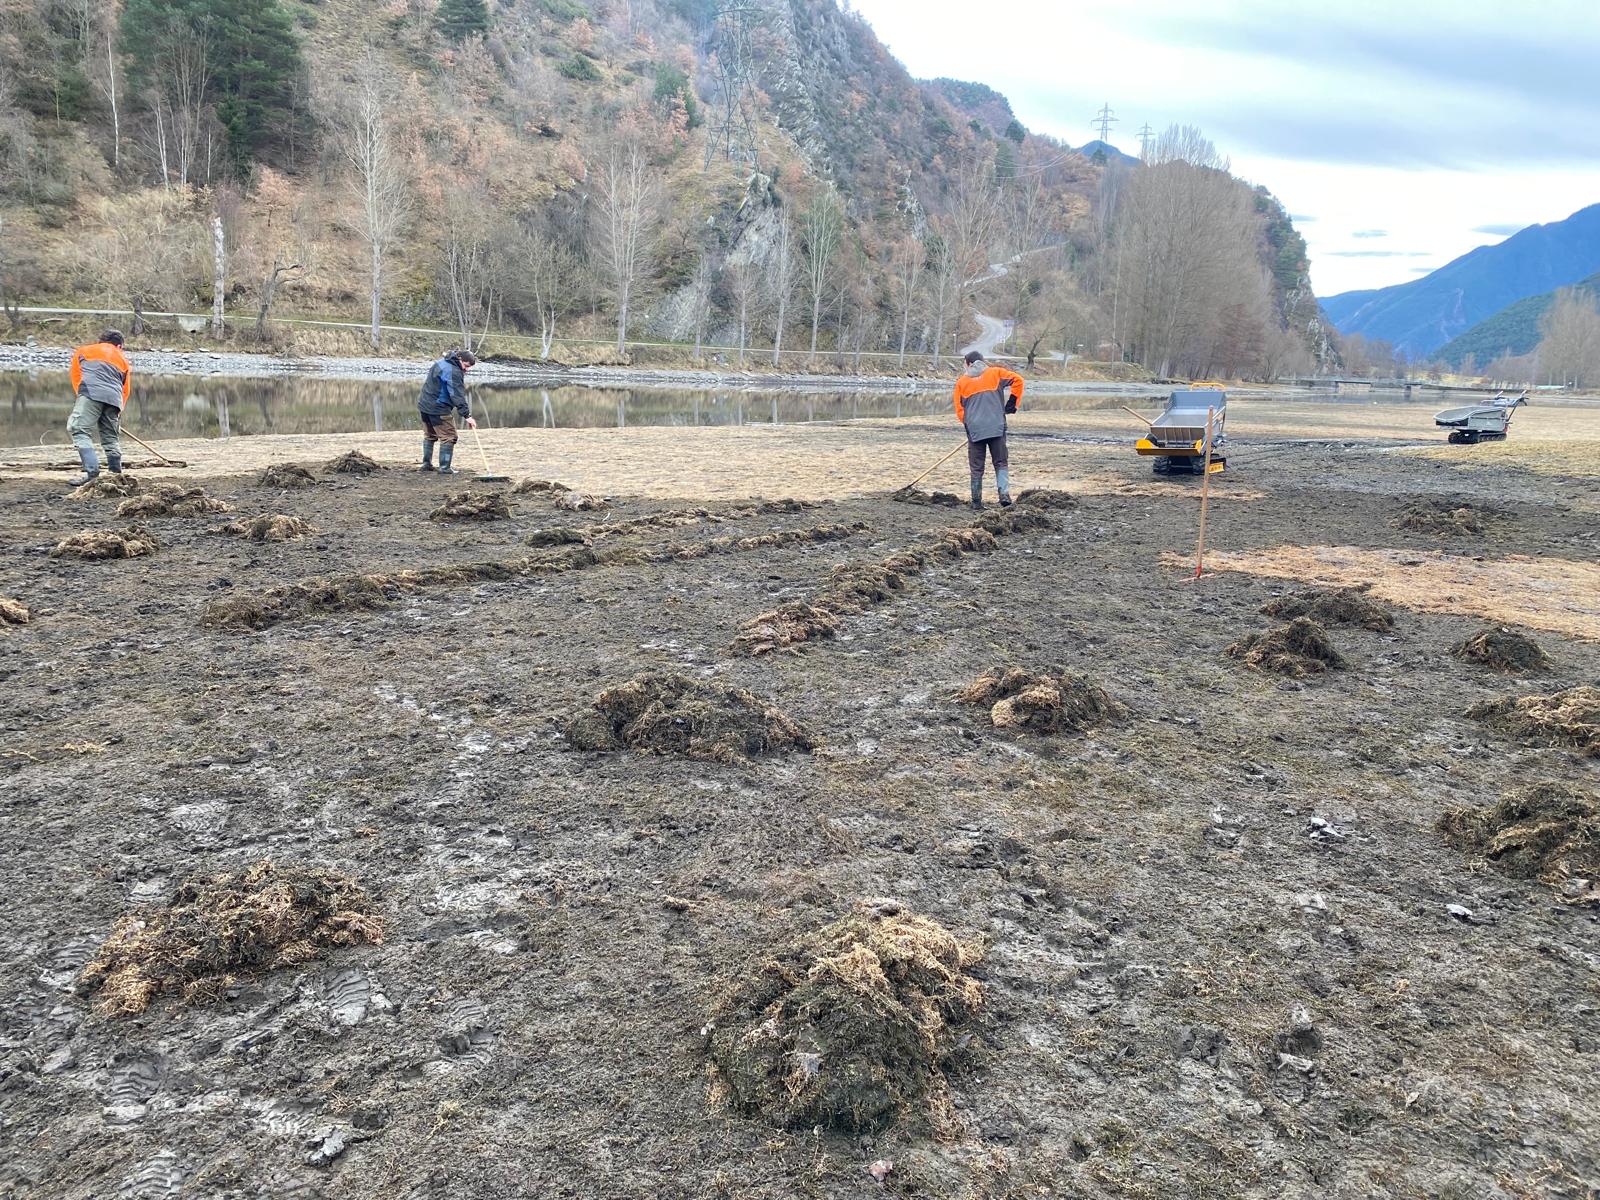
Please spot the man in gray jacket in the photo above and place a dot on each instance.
(101, 380)
(984, 396)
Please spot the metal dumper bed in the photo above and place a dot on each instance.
(1177, 438)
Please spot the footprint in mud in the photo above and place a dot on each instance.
(349, 995)
(67, 961)
(296, 1119)
(465, 1036)
(135, 1077)
(203, 818)
(159, 1176)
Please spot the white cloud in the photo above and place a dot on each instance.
(1445, 124)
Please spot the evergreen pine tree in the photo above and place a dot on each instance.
(461, 19)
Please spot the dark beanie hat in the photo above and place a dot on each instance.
(973, 356)
(114, 336)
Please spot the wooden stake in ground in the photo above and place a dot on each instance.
(1205, 500)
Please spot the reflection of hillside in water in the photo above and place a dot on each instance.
(36, 407)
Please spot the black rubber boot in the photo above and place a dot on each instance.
(977, 492)
(427, 455)
(91, 468)
(446, 453)
(114, 463)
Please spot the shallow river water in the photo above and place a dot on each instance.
(34, 406)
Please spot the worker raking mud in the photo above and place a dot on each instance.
(101, 380)
(444, 394)
(983, 396)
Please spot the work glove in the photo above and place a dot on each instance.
(1011, 406)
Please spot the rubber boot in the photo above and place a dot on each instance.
(427, 455)
(446, 453)
(1002, 483)
(977, 491)
(91, 468)
(114, 463)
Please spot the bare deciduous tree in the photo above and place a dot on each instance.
(781, 280)
(907, 260)
(279, 273)
(471, 265)
(1569, 347)
(745, 273)
(379, 178)
(821, 227)
(627, 210)
(549, 268)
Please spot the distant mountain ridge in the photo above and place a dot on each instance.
(1423, 315)
(1512, 330)
(1090, 149)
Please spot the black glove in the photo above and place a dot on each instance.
(1011, 406)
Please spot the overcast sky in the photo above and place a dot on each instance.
(1400, 134)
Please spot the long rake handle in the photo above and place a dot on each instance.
(935, 467)
(147, 446)
(478, 442)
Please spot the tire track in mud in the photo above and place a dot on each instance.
(367, 592)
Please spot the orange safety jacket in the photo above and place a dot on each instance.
(102, 372)
(981, 401)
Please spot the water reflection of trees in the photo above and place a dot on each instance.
(219, 407)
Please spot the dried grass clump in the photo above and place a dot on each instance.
(557, 535)
(133, 542)
(473, 506)
(1447, 517)
(107, 485)
(784, 504)
(672, 714)
(849, 1027)
(347, 593)
(1299, 649)
(287, 475)
(172, 500)
(528, 486)
(785, 628)
(911, 495)
(1042, 703)
(268, 527)
(12, 612)
(1570, 718)
(216, 929)
(1327, 606)
(1503, 649)
(1545, 832)
(1047, 498)
(570, 501)
(1006, 522)
(354, 463)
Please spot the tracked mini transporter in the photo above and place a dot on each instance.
(1177, 438)
(1487, 421)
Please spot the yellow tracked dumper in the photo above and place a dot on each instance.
(1177, 438)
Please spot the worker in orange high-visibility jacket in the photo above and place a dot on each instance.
(984, 396)
(101, 380)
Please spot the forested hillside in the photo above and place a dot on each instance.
(760, 175)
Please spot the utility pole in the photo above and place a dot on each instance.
(1104, 120)
(1146, 136)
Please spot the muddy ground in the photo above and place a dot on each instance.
(1221, 954)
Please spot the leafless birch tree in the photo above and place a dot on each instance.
(627, 211)
(378, 179)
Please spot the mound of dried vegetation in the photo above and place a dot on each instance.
(1503, 649)
(1041, 703)
(570, 501)
(1334, 606)
(268, 527)
(133, 542)
(1546, 832)
(216, 929)
(1298, 649)
(287, 475)
(911, 495)
(849, 1027)
(106, 486)
(12, 612)
(354, 463)
(1569, 718)
(528, 486)
(172, 500)
(473, 506)
(672, 714)
(1047, 498)
(1445, 517)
